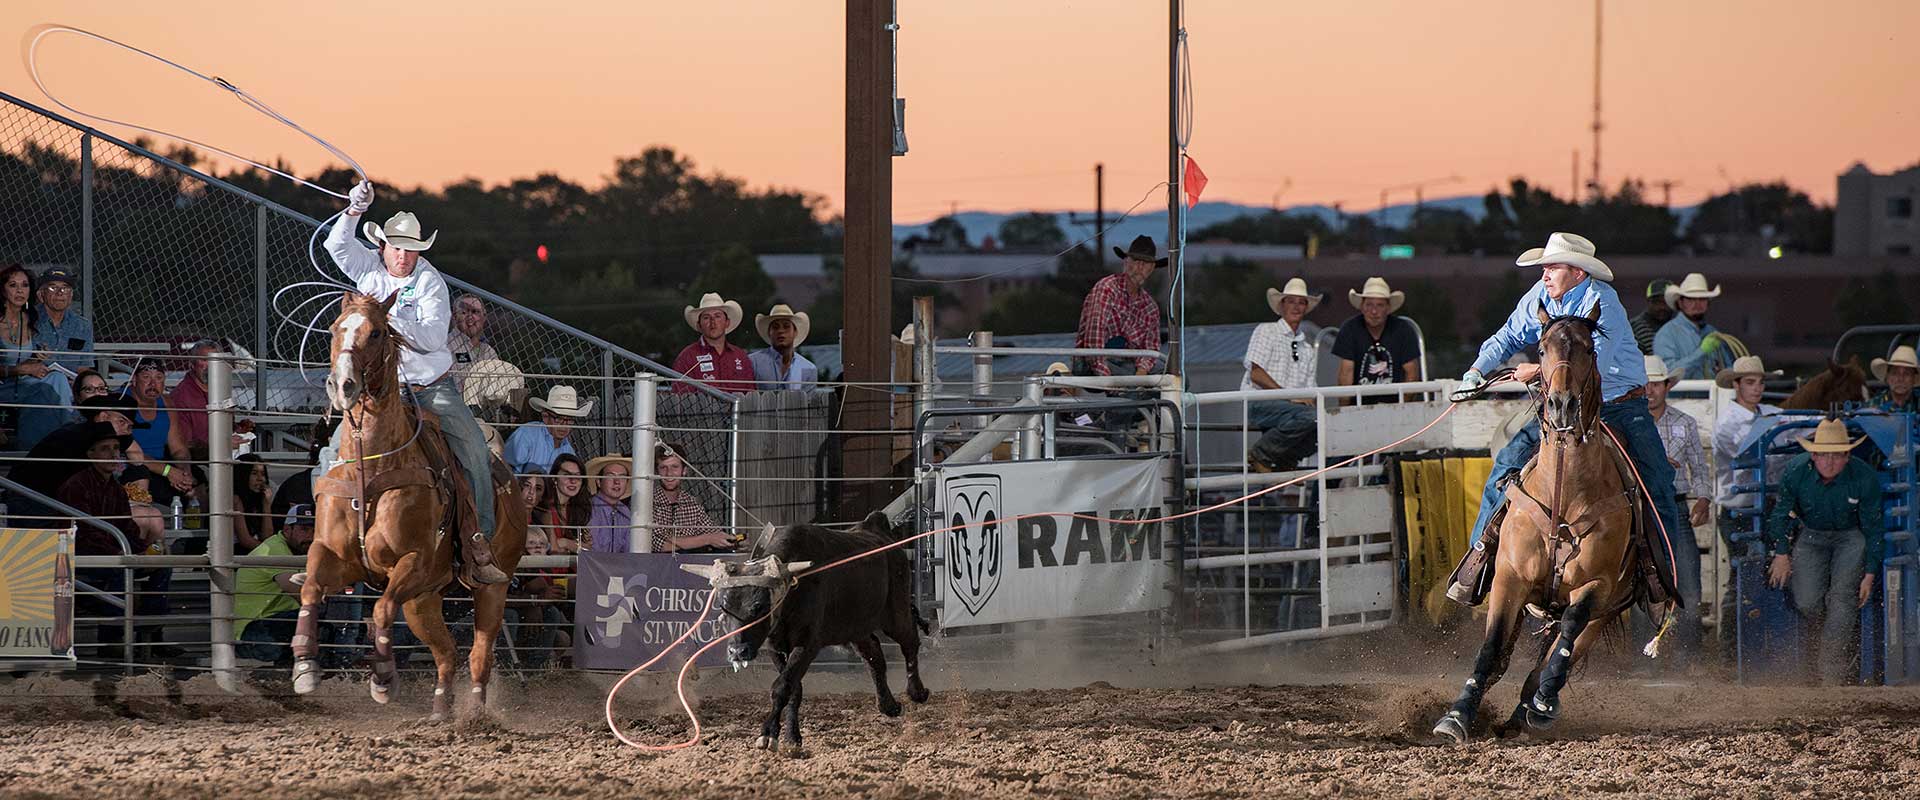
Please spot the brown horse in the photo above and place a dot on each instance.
(1564, 542)
(1838, 383)
(384, 515)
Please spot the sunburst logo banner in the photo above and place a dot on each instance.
(36, 576)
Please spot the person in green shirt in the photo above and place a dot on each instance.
(266, 601)
(1835, 499)
(1899, 371)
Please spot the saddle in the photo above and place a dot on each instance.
(442, 472)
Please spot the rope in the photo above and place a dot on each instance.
(702, 619)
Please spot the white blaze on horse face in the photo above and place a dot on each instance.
(349, 331)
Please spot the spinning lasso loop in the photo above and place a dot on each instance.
(31, 56)
(680, 686)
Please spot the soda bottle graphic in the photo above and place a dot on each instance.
(62, 604)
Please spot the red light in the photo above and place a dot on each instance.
(540, 253)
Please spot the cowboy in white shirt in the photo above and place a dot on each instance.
(1280, 356)
(422, 317)
(780, 367)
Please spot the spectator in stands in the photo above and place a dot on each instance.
(297, 489)
(1899, 372)
(189, 399)
(1732, 428)
(532, 489)
(1119, 313)
(680, 522)
(779, 366)
(93, 491)
(1647, 323)
(88, 384)
(66, 335)
(1833, 499)
(155, 427)
(250, 498)
(1280, 356)
(536, 597)
(1377, 345)
(468, 342)
(60, 454)
(1573, 282)
(565, 508)
(712, 359)
(266, 601)
(536, 444)
(610, 524)
(41, 398)
(1687, 342)
(1680, 435)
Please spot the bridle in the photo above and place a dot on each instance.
(388, 354)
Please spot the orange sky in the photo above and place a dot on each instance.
(1011, 102)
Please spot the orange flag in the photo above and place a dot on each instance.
(1194, 182)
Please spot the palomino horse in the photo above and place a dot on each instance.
(1565, 541)
(1839, 383)
(384, 515)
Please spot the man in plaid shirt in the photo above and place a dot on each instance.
(1120, 314)
(680, 522)
(1280, 356)
(1691, 482)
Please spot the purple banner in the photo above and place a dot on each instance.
(630, 606)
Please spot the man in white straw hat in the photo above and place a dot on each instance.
(532, 449)
(712, 359)
(1280, 355)
(1687, 342)
(1573, 282)
(1692, 490)
(1834, 500)
(1732, 429)
(421, 316)
(1899, 371)
(1377, 345)
(779, 366)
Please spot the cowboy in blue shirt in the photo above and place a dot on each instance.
(1572, 283)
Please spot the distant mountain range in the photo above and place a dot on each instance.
(980, 224)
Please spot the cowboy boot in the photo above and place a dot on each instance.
(1474, 576)
(478, 555)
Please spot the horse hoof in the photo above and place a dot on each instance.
(792, 750)
(1451, 727)
(381, 694)
(437, 717)
(306, 677)
(890, 708)
(764, 743)
(918, 694)
(1540, 716)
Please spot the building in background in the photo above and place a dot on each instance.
(1874, 214)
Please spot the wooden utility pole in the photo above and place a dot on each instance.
(867, 281)
(1598, 191)
(1099, 212)
(1175, 201)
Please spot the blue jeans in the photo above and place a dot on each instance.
(1290, 431)
(1826, 583)
(463, 437)
(267, 638)
(1629, 420)
(45, 403)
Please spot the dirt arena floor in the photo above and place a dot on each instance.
(1272, 726)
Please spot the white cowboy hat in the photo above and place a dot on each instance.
(1657, 370)
(402, 231)
(1570, 249)
(1057, 368)
(1295, 288)
(906, 335)
(1377, 287)
(490, 382)
(1830, 437)
(1903, 356)
(1694, 286)
(713, 300)
(783, 311)
(1742, 367)
(564, 401)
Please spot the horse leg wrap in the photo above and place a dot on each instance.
(382, 661)
(1553, 675)
(306, 627)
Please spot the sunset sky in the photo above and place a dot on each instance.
(1011, 103)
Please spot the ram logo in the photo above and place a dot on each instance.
(973, 551)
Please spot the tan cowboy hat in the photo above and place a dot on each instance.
(1377, 287)
(906, 335)
(564, 401)
(490, 382)
(783, 311)
(713, 300)
(1694, 286)
(1742, 367)
(598, 465)
(402, 231)
(1830, 437)
(1296, 287)
(1570, 249)
(1903, 356)
(1657, 370)
(1057, 368)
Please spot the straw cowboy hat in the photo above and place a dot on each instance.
(906, 335)
(1570, 249)
(1903, 356)
(600, 464)
(1142, 249)
(1657, 370)
(1830, 437)
(402, 231)
(783, 311)
(564, 401)
(490, 382)
(1295, 288)
(1694, 286)
(1057, 368)
(1742, 367)
(1377, 287)
(713, 300)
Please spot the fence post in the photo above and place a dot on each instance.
(926, 369)
(640, 500)
(86, 226)
(220, 524)
(606, 397)
(1034, 394)
(259, 306)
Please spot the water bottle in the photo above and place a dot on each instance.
(175, 520)
(195, 519)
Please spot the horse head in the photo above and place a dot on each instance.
(1569, 372)
(365, 355)
(1829, 389)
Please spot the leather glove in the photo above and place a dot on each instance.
(1710, 343)
(1470, 381)
(360, 199)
